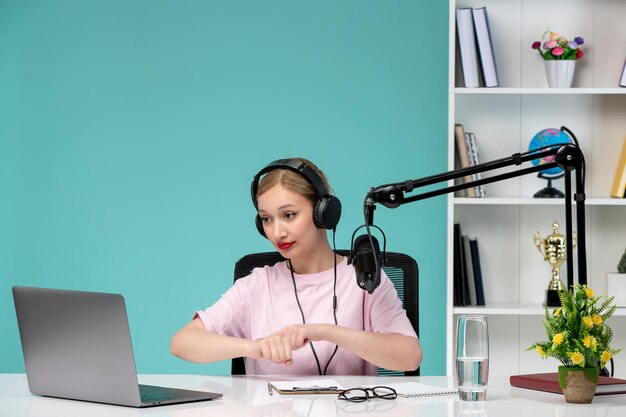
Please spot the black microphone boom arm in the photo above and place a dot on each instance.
(568, 157)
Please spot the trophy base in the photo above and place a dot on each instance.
(552, 298)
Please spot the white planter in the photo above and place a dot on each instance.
(616, 286)
(560, 73)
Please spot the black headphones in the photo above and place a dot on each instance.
(327, 208)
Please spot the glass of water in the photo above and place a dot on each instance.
(472, 357)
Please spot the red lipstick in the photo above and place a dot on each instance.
(284, 245)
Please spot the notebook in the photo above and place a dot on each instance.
(549, 382)
(418, 390)
(77, 345)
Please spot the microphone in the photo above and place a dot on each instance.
(367, 264)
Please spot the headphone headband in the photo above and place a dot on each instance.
(292, 165)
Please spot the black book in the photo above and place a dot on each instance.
(469, 272)
(478, 276)
(459, 270)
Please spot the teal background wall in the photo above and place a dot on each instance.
(130, 131)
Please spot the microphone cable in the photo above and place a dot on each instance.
(334, 299)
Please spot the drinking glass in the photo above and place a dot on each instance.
(472, 357)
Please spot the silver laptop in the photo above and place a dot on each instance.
(77, 345)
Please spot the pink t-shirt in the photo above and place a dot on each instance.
(264, 302)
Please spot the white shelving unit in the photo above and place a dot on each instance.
(504, 120)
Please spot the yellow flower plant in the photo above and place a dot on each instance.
(577, 332)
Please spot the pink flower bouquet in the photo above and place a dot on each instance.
(557, 47)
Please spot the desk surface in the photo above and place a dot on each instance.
(248, 396)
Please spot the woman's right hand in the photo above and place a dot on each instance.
(274, 348)
(278, 347)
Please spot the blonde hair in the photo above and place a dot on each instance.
(293, 181)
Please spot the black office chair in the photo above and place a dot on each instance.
(400, 268)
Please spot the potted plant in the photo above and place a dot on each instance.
(579, 338)
(559, 55)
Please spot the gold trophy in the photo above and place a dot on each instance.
(554, 251)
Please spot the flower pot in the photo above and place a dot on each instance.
(578, 384)
(560, 73)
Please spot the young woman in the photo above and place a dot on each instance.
(305, 315)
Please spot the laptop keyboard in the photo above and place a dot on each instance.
(151, 393)
(154, 395)
(150, 397)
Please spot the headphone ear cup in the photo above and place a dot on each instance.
(259, 225)
(327, 212)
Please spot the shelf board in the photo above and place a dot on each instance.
(503, 309)
(527, 201)
(548, 91)
(514, 309)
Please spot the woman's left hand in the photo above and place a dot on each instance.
(299, 335)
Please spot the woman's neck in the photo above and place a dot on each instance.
(321, 260)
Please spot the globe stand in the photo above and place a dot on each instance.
(549, 191)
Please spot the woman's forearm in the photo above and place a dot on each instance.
(195, 344)
(391, 351)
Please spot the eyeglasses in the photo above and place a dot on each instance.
(358, 395)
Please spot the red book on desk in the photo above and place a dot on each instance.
(549, 382)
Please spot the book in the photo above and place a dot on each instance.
(480, 189)
(618, 189)
(485, 47)
(469, 271)
(464, 283)
(463, 156)
(299, 387)
(459, 278)
(549, 382)
(622, 80)
(477, 271)
(467, 47)
(418, 390)
(474, 159)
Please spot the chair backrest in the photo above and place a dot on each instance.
(400, 268)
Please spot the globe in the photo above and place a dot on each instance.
(547, 137)
(543, 138)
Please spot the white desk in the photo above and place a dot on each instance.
(248, 396)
